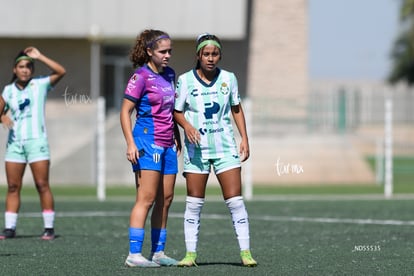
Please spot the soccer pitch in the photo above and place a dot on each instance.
(291, 235)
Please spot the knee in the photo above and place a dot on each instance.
(13, 188)
(168, 199)
(146, 202)
(42, 186)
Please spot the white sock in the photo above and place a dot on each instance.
(48, 218)
(192, 222)
(10, 220)
(240, 220)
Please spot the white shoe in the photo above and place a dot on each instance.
(137, 260)
(162, 259)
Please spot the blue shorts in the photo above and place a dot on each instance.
(156, 158)
(28, 151)
(203, 166)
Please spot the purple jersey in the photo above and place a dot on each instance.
(153, 95)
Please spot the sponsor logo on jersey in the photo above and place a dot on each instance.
(23, 104)
(216, 130)
(194, 93)
(211, 109)
(130, 87)
(154, 146)
(202, 130)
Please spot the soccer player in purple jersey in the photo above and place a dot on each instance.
(152, 146)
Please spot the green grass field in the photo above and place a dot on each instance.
(288, 237)
(318, 230)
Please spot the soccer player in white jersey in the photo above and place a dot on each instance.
(206, 98)
(25, 99)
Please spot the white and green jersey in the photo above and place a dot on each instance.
(207, 107)
(27, 108)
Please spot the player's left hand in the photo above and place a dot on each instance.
(32, 52)
(244, 151)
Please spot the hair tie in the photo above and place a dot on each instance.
(23, 58)
(208, 42)
(149, 45)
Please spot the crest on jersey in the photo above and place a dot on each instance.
(224, 89)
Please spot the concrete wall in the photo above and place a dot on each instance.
(119, 19)
(73, 54)
(278, 59)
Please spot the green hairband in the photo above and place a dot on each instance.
(23, 58)
(208, 42)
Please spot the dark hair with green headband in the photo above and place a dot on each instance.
(22, 56)
(207, 39)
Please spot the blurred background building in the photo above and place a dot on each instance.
(301, 131)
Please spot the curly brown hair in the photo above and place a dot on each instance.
(147, 39)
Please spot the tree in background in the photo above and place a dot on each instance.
(403, 51)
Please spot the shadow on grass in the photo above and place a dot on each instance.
(219, 263)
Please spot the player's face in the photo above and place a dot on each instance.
(162, 54)
(23, 70)
(209, 57)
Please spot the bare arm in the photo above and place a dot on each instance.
(125, 117)
(4, 119)
(177, 138)
(58, 71)
(238, 115)
(192, 134)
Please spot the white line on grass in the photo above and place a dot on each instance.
(226, 217)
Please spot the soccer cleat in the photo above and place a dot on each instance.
(247, 259)
(137, 260)
(8, 233)
(162, 259)
(48, 234)
(189, 260)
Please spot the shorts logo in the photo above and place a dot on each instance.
(156, 157)
(186, 161)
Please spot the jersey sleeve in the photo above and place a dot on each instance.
(180, 94)
(235, 96)
(134, 88)
(48, 85)
(44, 84)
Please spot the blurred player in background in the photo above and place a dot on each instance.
(206, 96)
(25, 98)
(151, 145)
